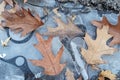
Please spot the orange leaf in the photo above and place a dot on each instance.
(114, 30)
(22, 20)
(50, 63)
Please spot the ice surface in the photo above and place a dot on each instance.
(7, 72)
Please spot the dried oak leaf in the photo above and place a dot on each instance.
(69, 75)
(21, 20)
(114, 30)
(50, 62)
(106, 74)
(97, 48)
(63, 29)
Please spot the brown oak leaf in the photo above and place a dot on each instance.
(100, 24)
(50, 62)
(21, 20)
(63, 29)
(114, 30)
(97, 48)
(106, 74)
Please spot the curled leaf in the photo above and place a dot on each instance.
(5, 43)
